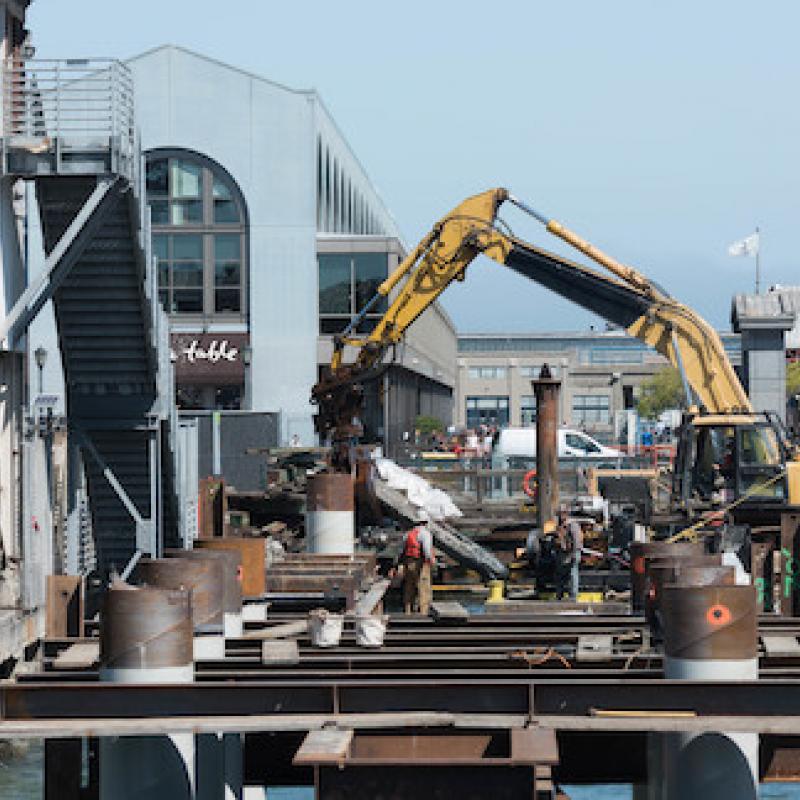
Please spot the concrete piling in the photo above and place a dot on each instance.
(330, 514)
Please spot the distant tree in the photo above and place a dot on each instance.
(793, 379)
(426, 425)
(664, 390)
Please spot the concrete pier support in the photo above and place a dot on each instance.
(146, 637)
(547, 390)
(330, 514)
(711, 633)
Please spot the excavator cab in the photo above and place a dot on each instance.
(727, 458)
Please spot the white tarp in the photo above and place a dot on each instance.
(419, 492)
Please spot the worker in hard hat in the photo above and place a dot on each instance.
(417, 561)
(569, 544)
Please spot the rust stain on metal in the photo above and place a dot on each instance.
(710, 622)
(252, 554)
(230, 565)
(203, 577)
(330, 492)
(547, 390)
(145, 627)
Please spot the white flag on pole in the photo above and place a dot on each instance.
(745, 247)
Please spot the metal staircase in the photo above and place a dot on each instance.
(68, 126)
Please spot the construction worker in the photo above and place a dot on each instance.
(417, 560)
(569, 544)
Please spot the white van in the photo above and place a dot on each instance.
(521, 443)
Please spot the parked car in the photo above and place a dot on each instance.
(521, 443)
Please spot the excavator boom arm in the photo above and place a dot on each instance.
(628, 299)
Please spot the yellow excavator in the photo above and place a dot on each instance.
(725, 448)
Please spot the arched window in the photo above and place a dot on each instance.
(199, 223)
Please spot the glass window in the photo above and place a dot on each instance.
(530, 371)
(187, 246)
(335, 284)
(156, 176)
(590, 409)
(489, 373)
(370, 271)
(347, 282)
(159, 212)
(225, 209)
(187, 179)
(202, 272)
(527, 409)
(186, 212)
(759, 447)
(489, 411)
(228, 397)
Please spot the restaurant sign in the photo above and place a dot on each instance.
(209, 357)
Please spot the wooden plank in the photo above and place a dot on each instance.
(78, 656)
(280, 652)
(534, 746)
(297, 628)
(372, 597)
(326, 746)
(449, 612)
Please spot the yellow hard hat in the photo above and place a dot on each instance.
(549, 526)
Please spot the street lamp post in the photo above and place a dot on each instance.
(247, 360)
(40, 355)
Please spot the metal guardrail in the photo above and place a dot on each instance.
(68, 107)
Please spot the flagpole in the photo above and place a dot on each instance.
(758, 261)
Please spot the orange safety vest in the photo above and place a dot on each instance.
(412, 548)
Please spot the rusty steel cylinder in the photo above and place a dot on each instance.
(548, 392)
(145, 633)
(146, 637)
(231, 560)
(710, 634)
(663, 569)
(202, 578)
(330, 514)
(252, 557)
(642, 552)
(702, 623)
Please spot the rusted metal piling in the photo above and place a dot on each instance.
(202, 577)
(548, 391)
(710, 633)
(642, 552)
(146, 637)
(231, 560)
(330, 514)
(252, 557)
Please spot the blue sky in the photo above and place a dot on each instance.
(660, 131)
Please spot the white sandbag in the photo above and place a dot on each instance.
(419, 492)
(370, 630)
(325, 628)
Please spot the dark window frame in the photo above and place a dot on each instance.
(207, 228)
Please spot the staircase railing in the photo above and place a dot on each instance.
(69, 105)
